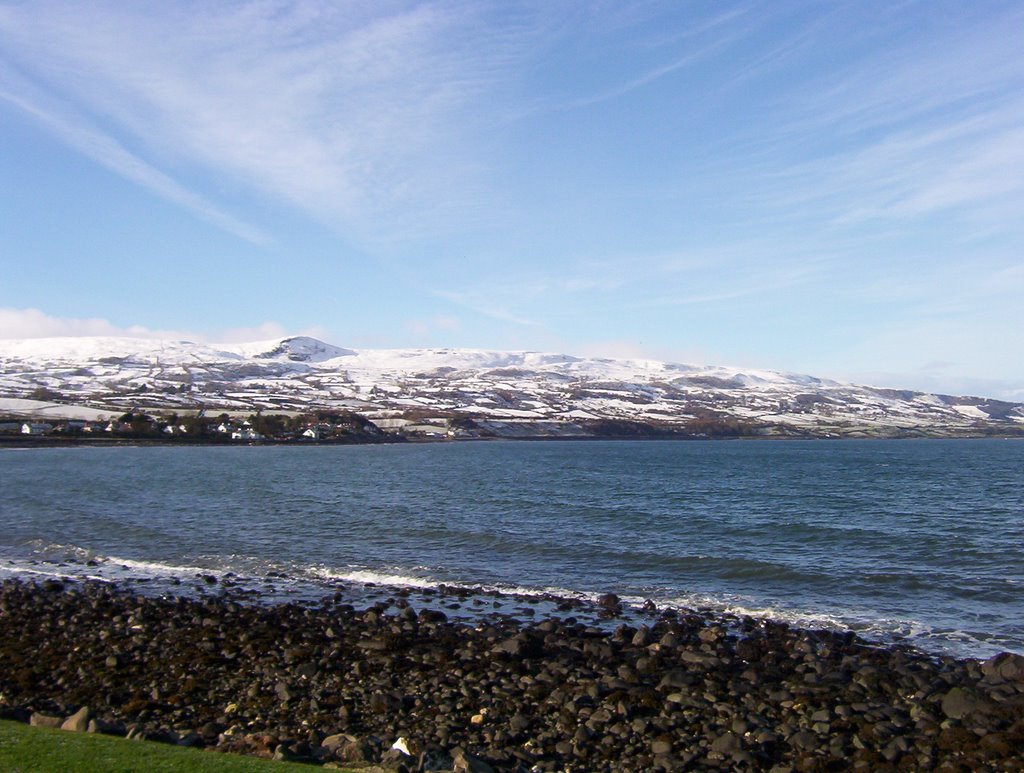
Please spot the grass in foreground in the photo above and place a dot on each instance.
(25, 749)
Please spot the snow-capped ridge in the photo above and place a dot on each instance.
(507, 393)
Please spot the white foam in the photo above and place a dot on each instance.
(366, 576)
(156, 567)
(10, 569)
(49, 559)
(400, 580)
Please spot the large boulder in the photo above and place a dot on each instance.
(959, 703)
(1004, 667)
(77, 722)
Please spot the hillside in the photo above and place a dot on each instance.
(477, 392)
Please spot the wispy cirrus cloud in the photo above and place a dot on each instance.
(487, 303)
(637, 282)
(103, 148)
(928, 124)
(703, 51)
(964, 166)
(354, 114)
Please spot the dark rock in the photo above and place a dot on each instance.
(284, 692)
(960, 702)
(681, 694)
(610, 603)
(661, 747)
(804, 740)
(727, 743)
(463, 762)
(519, 646)
(1005, 666)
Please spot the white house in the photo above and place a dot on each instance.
(33, 428)
(246, 433)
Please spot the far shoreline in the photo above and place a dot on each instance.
(48, 441)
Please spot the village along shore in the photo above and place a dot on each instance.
(391, 686)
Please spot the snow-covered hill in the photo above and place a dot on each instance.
(489, 392)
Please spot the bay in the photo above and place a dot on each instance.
(899, 540)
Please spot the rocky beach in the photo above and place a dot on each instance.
(398, 686)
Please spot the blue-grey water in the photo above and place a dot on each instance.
(917, 540)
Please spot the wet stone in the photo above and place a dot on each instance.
(563, 694)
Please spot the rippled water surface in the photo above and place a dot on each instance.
(918, 539)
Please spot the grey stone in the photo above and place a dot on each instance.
(699, 658)
(39, 719)
(77, 722)
(959, 703)
(518, 646)
(642, 637)
(519, 723)
(804, 739)
(356, 750)
(1005, 666)
(336, 741)
(727, 743)
(675, 678)
(660, 747)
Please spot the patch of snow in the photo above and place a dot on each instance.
(970, 411)
(38, 408)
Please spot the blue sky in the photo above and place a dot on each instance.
(828, 188)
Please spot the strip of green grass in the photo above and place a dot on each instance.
(25, 749)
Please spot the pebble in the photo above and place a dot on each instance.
(393, 688)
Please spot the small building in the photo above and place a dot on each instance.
(34, 428)
(246, 433)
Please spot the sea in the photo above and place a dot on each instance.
(912, 541)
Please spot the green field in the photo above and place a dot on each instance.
(25, 749)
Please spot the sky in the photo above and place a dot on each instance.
(826, 188)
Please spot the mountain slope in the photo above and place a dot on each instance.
(489, 392)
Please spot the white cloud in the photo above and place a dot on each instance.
(33, 323)
(104, 149)
(354, 114)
